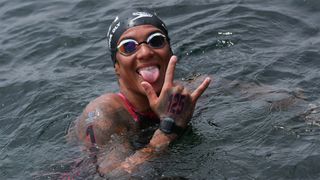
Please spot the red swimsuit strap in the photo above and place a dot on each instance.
(129, 107)
(134, 113)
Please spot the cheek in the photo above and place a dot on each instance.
(166, 58)
(169, 53)
(165, 54)
(124, 62)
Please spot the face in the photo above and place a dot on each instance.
(145, 64)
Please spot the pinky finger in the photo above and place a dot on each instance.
(198, 92)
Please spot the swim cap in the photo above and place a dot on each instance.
(129, 19)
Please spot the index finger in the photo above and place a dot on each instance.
(168, 81)
(198, 92)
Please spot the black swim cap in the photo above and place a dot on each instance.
(129, 19)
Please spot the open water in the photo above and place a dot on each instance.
(258, 120)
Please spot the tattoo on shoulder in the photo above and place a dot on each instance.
(90, 134)
(93, 115)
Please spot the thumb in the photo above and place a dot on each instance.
(148, 89)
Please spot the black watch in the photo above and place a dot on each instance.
(168, 126)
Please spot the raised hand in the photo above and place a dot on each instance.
(175, 100)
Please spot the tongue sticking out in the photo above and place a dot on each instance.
(149, 74)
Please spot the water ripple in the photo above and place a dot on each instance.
(256, 121)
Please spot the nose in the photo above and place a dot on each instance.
(144, 52)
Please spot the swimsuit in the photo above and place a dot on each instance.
(137, 116)
(147, 122)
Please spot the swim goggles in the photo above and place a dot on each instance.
(129, 46)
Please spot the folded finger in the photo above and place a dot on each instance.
(148, 89)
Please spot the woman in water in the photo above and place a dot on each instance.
(151, 110)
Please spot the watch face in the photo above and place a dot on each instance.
(166, 125)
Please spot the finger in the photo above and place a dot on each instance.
(203, 86)
(148, 89)
(178, 89)
(170, 71)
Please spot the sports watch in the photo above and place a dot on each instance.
(168, 126)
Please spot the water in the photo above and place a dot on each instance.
(258, 120)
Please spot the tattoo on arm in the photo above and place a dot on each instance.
(98, 125)
(90, 134)
(93, 115)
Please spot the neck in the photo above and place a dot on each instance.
(138, 100)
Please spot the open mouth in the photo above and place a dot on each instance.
(149, 73)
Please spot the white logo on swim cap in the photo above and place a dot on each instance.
(109, 30)
(140, 15)
(112, 32)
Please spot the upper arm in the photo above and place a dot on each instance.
(100, 119)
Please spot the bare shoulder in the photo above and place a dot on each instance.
(102, 117)
(107, 102)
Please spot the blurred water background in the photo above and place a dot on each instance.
(258, 120)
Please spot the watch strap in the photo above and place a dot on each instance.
(168, 126)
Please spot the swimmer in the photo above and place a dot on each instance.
(151, 110)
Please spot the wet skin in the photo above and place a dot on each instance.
(127, 66)
(111, 124)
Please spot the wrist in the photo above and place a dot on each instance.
(161, 140)
(168, 126)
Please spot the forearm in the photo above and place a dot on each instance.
(158, 144)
